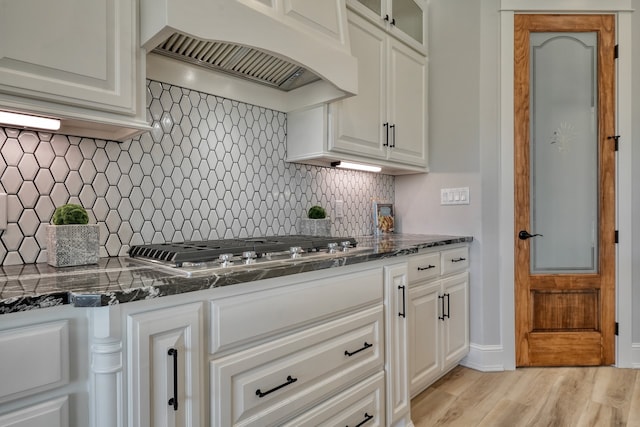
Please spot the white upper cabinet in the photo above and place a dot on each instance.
(405, 19)
(385, 124)
(77, 60)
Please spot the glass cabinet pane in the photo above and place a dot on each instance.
(564, 152)
(409, 18)
(375, 5)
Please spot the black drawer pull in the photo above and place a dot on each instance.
(458, 259)
(367, 418)
(403, 313)
(448, 306)
(174, 400)
(366, 346)
(429, 267)
(290, 380)
(441, 298)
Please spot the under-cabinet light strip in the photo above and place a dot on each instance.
(356, 166)
(28, 121)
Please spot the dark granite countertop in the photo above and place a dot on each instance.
(120, 279)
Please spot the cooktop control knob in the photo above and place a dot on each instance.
(225, 260)
(332, 247)
(248, 257)
(295, 252)
(345, 245)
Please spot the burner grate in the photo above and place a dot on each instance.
(210, 250)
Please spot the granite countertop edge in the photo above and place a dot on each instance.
(120, 280)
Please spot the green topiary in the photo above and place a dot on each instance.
(317, 212)
(70, 214)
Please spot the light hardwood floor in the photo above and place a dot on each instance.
(562, 397)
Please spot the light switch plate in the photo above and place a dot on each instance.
(454, 196)
(3, 211)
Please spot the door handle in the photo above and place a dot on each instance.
(386, 127)
(524, 235)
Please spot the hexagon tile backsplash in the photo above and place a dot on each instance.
(211, 168)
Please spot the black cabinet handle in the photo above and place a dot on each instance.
(290, 380)
(429, 267)
(458, 259)
(366, 346)
(403, 313)
(448, 306)
(393, 135)
(441, 298)
(393, 20)
(367, 418)
(386, 141)
(174, 400)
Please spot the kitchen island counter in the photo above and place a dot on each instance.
(119, 280)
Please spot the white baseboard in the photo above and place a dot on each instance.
(485, 358)
(635, 355)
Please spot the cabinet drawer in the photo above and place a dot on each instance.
(362, 404)
(34, 358)
(455, 260)
(240, 319)
(424, 266)
(266, 384)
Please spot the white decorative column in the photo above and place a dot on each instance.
(106, 375)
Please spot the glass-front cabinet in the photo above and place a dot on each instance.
(405, 19)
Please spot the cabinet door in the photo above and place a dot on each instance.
(424, 335)
(407, 95)
(396, 343)
(409, 22)
(165, 363)
(72, 52)
(456, 327)
(358, 121)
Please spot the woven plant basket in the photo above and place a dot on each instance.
(76, 244)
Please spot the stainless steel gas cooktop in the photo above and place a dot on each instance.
(229, 252)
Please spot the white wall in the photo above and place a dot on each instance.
(464, 121)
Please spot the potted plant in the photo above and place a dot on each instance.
(316, 224)
(71, 240)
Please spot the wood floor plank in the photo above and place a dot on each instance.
(531, 397)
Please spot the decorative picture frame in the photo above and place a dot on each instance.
(383, 219)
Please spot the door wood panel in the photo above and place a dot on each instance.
(568, 318)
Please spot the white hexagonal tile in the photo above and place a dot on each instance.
(11, 180)
(113, 221)
(28, 141)
(44, 208)
(136, 220)
(125, 232)
(100, 209)
(112, 245)
(87, 171)
(59, 169)
(11, 152)
(44, 154)
(28, 194)
(112, 173)
(29, 250)
(59, 194)
(29, 222)
(74, 183)
(87, 196)
(12, 237)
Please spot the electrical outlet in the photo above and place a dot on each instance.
(339, 209)
(3, 211)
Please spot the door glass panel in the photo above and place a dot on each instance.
(564, 153)
(409, 18)
(374, 5)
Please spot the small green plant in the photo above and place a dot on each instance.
(317, 212)
(70, 214)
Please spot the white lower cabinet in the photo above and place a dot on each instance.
(438, 317)
(165, 375)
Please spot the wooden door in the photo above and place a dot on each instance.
(565, 303)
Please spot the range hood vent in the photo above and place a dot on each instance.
(237, 60)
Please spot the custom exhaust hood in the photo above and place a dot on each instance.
(282, 54)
